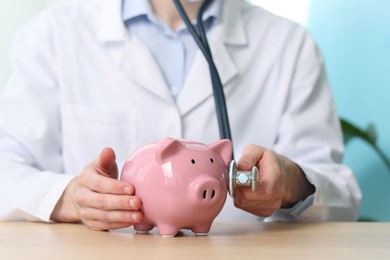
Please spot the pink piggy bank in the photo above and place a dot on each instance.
(182, 184)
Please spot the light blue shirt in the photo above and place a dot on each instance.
(174, 51)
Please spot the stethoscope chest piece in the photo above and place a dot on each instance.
(241, 178)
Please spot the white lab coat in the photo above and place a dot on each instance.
(81, 83)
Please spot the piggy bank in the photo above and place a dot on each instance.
(181, 183)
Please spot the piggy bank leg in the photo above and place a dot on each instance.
(143, 228)
(201, 230)
(167, 230)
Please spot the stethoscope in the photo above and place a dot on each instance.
(236, 178)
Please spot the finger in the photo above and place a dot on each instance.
(270, 174)
(108, 220)
(106, 163)
(262, 210)
(114, 216)
(256, 203)
(89, 199)
(102, 184)
(270, 181)
(269, 188)
(103, 226)
(260, 207)
(272, 177)
(251, 155)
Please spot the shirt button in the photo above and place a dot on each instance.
(175, 91)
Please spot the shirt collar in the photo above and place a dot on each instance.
(141, 8)
(111, 27)
(132, 9)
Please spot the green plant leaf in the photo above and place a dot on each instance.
(350, 131)
(369, 135)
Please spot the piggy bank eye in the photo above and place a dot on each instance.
(211, 160)
(193, 161)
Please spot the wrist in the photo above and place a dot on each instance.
(298, 187)
(65, 209)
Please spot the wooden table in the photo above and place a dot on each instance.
(226, 240)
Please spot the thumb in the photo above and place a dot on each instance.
(106, 163)
(250, 157)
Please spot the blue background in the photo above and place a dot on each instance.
(354, 37)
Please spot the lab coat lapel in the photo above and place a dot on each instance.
(133, 56)
(141, 67)
(198, 85)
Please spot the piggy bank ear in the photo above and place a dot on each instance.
(224, 148)
(166, 148)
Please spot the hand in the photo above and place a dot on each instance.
(281, 183)
(98, 199)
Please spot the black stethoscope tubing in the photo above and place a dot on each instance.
(200, 38)
(234, 175)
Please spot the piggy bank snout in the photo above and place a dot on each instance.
(206, 192)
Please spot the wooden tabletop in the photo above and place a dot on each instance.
(226, 240)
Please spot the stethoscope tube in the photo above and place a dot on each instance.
(235, 177)
(201, 40)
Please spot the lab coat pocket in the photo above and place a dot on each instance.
(86, 131)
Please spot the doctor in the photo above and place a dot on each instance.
(93, 74)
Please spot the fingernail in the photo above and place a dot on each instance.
(243, 163)
(132, 203)
(134, 217)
